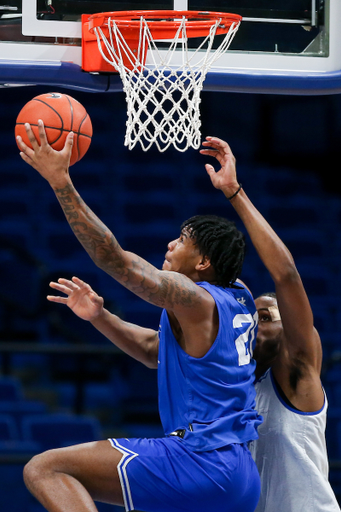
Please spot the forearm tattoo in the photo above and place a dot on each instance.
(103, 248)
(95, 237)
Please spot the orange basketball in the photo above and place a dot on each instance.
(61, 114)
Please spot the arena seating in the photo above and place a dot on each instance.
(144, 202)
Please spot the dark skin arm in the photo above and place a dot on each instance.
(191, 309)
(138, 342)
(297, 366)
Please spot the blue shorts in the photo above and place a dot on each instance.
(162, 475)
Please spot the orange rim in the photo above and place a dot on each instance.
(163, 24)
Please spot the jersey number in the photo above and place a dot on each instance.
(245, 340)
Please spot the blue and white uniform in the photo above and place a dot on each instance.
(291, 455)
(212, 397)
(211, 402)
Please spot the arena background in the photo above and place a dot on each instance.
(52, 363)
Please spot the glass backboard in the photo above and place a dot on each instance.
(285, 46)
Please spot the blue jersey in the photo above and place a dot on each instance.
(213, 397)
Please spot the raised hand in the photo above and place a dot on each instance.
(80, 297)
(226, 178)
(51, 164)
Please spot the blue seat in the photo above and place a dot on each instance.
(88, 177)
(56, 430)
(15, 174)
(333, 432)
(55, 213)
(14, 495)
(15, 204)
(57, 243)
(61, 244)
(20, 271)
(18, 409)
(317, 279)
(143, 430)
(150, 246)
(16, 234)
(146, 183)
(141, 402)
(8, 428)
(10, 389)
(299, 211)
(198, 204)
(307, 244)
(158, 209)
(102, 395)
(10, 439)
(20, 449)
(256, 277)
(323, 308)
(286, 181)
(332, 382)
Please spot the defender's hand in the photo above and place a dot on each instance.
(226, 178)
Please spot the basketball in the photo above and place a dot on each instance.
(61, 114)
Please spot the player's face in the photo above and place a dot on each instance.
(182, 255)
(269, 329)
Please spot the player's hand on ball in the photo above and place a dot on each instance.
(52, 165)
(80, 297)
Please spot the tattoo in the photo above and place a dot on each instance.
(97, 240)
(66, 202)
(177, 292)
(61, 192)
(134, 273)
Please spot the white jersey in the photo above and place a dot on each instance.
(291, 455)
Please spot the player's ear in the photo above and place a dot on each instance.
(204, 263)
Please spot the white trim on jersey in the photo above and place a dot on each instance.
(291, 455)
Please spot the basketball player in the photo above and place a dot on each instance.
(291, 451)
(205, 369)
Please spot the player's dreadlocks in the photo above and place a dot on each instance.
(219, 240)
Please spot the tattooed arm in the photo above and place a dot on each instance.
(164, 289)
(170, 290)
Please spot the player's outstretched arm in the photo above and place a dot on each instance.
(302, 343)
(138, 342)
(169, 290)
(272, 251)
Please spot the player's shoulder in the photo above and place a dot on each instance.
(243, 296)
(237, 295)
(241, 283)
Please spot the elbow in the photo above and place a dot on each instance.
(149, 361)
(152, 355)
(286, 274)
(152, 365)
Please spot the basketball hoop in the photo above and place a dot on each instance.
(162, 84)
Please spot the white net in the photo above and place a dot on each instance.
(162, 92)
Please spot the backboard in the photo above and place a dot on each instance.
(282, 46)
